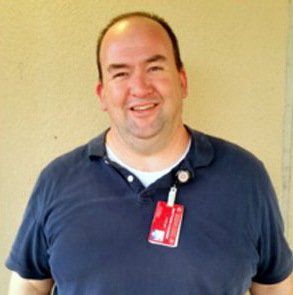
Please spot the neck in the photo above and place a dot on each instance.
(150, 154)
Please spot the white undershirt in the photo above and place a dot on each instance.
(146, 178)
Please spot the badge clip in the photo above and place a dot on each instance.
(172, 196)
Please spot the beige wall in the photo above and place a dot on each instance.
(234, 52)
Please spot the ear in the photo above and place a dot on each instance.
(101, 95)
(183, 81)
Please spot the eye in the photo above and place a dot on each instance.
(155, 69)
(120, 75)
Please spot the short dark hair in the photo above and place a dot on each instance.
(155, 18)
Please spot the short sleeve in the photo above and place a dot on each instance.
(29, 253)
(275, 256)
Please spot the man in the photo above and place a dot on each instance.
(105, 218)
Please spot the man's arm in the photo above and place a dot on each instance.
(21, 286)
(283, 288)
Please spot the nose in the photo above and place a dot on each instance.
(140, 86)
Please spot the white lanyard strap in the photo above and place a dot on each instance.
(172, 196)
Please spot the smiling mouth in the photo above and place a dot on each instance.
(144, 107)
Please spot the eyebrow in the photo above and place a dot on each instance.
(156, 57)
(113, 67)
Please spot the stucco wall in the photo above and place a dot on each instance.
(234, 52)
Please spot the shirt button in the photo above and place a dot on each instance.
(130, 178)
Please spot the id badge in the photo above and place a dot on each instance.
(166, 224)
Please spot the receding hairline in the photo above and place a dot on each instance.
(137, 17)
(126, 17)
(116, 25)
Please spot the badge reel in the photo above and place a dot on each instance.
(167, 220)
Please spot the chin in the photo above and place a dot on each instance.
(144, 133)
(146, 130)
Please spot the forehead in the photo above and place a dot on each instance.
(134, 37)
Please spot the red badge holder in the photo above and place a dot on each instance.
(167, 220)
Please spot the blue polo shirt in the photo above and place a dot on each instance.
(87, 222)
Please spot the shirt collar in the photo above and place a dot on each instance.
(97, 146)
(201, 151)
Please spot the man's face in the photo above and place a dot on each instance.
(142, 90)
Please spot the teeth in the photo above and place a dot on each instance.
(143, 108)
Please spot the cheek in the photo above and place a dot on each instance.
(168, 87)
(162, 84)
(115, 97)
